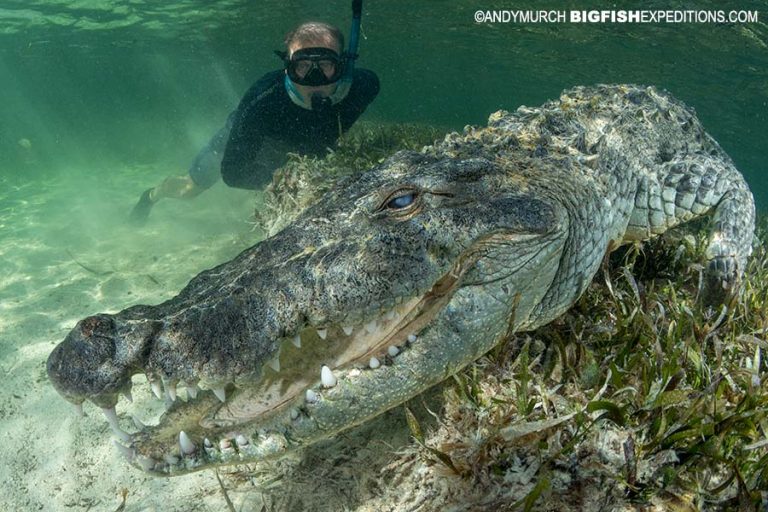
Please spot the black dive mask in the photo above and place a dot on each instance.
(313, 66)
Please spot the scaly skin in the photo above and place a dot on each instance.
(496, 230)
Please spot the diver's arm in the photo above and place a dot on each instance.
(365, 89)
(240, 165)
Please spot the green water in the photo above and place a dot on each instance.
(100, 99)
(144, 82)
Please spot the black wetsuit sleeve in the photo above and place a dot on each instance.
(242, 165)
(367, 88)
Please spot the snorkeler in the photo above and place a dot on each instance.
(303, 108)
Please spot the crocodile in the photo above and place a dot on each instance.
(403, 274)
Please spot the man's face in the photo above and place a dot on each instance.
(307, 91)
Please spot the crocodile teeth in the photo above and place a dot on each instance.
(220, 394)
(171, 459)
(192, 390)
(411, 338)
(393, 350)
(372, 326)
(390, 314)
(374, 363)
(207, 443)
(241, 440)
(274, 363)
(138, 422)
(322, 333)
(79, 409)
(348, 330)
(312, 397)
(111, 415)
(296, 341)
(126, 452)
(294, 414)
(156, 389)
(170, 388)
(327, 377)
(146, 463)
(187, 446)
(128, 395)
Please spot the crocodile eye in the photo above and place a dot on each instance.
(401, 201)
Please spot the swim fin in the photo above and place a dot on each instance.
(140, 212)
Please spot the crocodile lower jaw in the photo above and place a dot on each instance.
(225, 420)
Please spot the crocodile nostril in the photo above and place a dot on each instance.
(98, 324)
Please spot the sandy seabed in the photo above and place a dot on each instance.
(66, 252)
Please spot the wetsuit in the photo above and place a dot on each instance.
(268, 124)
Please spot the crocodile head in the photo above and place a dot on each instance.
(391, 282)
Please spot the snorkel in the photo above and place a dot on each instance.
(347, 60)
(349, 68)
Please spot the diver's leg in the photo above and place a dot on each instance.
(204, 172)
(176, 187)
